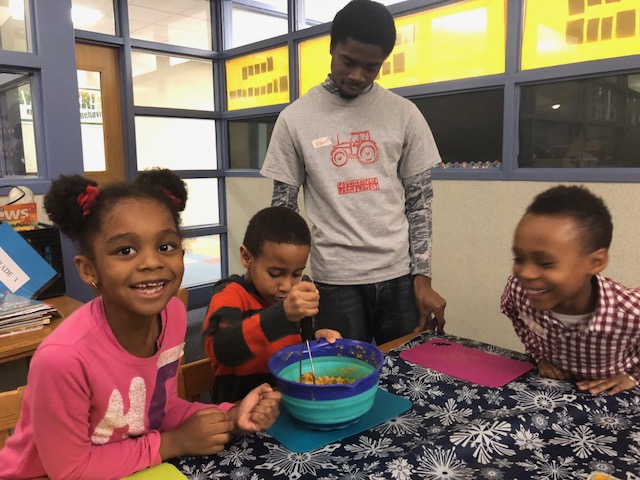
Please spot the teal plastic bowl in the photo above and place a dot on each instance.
(327, 407)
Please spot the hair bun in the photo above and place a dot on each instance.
(61, 203)
(167, 181)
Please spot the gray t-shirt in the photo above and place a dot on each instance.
(350, 156)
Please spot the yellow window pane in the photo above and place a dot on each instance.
(315, 62)
(462, 40)
(571, 31)
(258, 80)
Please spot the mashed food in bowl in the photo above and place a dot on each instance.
(344, 376)
(325, 379)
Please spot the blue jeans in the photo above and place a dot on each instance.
(381, 311)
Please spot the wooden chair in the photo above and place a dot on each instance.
(10, 403)
(195, 379)
(387, 347)
(183, 294)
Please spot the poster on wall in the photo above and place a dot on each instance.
(258, 80)
(559, 32)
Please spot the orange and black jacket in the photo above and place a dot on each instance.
(241, 332)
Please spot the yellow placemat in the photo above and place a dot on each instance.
(164, 471)
(601, 476)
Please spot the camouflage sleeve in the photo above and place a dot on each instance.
(419, 194)
(284, 195)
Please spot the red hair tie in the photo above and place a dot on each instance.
(172, 197)
(88, 199)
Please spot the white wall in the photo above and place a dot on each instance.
(473, 223)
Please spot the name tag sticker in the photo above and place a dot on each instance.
(534, 326)
(322, 142)
(170, 355)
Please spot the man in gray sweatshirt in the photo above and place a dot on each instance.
(363, 155)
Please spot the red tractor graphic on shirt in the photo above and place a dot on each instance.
(359, 147)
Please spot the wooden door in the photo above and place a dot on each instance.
(100, 112)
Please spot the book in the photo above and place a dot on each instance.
(21, 314)
(22, 270)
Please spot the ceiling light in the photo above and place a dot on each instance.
(555, 106)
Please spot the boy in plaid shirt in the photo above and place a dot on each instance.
(574, 322)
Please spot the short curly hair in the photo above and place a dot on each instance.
(576, 202)
(277, 225)
(365, 21)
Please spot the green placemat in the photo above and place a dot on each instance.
(298, 438)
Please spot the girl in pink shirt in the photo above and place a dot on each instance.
(101, 398)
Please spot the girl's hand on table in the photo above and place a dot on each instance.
(203, 433)
(611, 385)
(257, 411)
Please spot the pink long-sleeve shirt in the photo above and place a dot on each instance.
(93, 410)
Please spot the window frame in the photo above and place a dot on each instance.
(198, 295)
(510, 81)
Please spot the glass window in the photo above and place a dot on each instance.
(14, 26)
(176, 143)
(269, 15)
(461, 40)
(557, 33)
(592, 122)
(258, 79)
(186, 23)
(467, 127)
(17, 136)
(91, 121)
(172, 82)
(315, 12)
(201, 260)
(93, 16)
(202, 204)
(248, 141)
(314, 62)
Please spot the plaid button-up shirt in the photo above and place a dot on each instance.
(606, 344)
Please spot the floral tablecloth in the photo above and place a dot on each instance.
(532, 428)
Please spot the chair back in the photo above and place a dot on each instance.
(195, 379)
(10, 403)
(183, 294)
